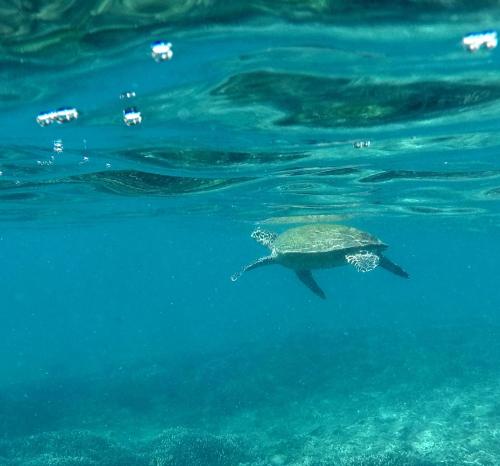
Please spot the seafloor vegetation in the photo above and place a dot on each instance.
(363, 397)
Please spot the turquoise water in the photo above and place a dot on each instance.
(123, 340)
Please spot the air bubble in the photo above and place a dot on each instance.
(361, 144)
(161, 51)
(132, 116)
(127, 95)
(58, 146)
(476, 40)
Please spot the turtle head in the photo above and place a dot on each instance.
(266, 238)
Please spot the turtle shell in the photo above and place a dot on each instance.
(320, 238)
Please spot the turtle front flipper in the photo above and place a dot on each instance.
(258, 263)
(363, 261)
(387, 264)
(305, 276)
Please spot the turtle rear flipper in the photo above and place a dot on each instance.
(258, 263)
(387, 264)
(305, 276)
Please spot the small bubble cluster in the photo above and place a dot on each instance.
(58, 146)
(45, 163)
(127, 95)
(361, 144)
(131, 115)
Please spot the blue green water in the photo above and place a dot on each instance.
(123, 340)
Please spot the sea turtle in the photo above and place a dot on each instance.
(319, 246)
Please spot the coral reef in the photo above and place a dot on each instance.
(364, 398)
(183, 447)
(69, 448)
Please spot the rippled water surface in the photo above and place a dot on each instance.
(122, 339)
(260, 101)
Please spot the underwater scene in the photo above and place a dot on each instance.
(249, 233)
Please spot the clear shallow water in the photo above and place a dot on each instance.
(123, 341)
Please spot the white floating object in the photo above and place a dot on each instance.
(161, 51)
(46, 118)
(132, 116)
(474, 41)
(61, 115)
